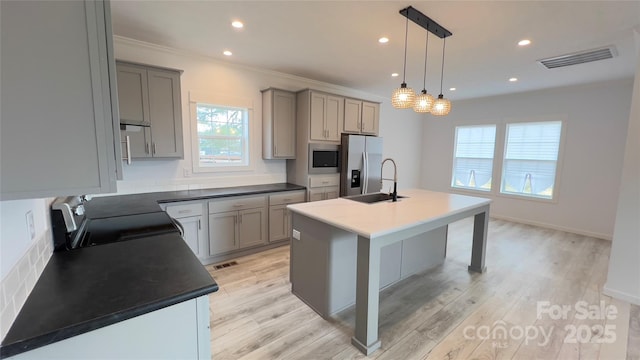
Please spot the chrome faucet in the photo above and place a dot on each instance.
(395, 178)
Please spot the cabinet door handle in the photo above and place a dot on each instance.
(199, 225)
(240, 218)
(154, 148)
(127, 142)
(275, 149)
(147, 148)
(235, 220)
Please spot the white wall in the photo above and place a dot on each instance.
(623, 281)
(209, 77)
(596, 124)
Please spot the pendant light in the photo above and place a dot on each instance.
(403, 97)
(424, 101)
(441, 106)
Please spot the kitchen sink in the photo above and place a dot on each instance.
(372, 198)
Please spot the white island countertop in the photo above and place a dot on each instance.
(381, 218)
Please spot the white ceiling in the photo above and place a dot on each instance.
(336, 41)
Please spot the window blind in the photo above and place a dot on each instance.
(530, 158)
(473, 157)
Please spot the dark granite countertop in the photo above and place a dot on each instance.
(119, 205)
(89, 288)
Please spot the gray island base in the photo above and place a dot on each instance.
(348, 251)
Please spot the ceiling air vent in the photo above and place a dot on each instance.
(579, 57)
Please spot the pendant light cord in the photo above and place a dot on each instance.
(444, 43)
(406, 36)
(426, 50)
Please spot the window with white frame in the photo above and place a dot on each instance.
(530, 159)
(473, 157)
(222, 136)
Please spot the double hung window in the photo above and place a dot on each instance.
(223, 136)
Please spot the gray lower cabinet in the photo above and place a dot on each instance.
(324, 187)
(252, 225)
(279, 216)
(56, 90)
(189, 216)
(236, 223)
(150, 97)
(223, 232)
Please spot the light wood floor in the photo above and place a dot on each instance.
(255, 316)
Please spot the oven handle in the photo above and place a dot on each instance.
(179, 226)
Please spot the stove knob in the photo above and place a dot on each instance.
(79, 210)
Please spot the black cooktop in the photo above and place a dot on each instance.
(122, 228)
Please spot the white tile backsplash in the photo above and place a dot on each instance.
(19, 282)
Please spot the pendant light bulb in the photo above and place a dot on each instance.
(403, 97)
(441, 106)
(424, 101)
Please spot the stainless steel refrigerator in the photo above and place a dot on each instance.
(361, 165)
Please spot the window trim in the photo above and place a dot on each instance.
(223, 101)
(557, 180)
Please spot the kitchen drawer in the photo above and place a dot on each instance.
(287, 198)
(324, 180)
(237, 203)
(184, 210)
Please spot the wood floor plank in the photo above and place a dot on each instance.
(633, 340)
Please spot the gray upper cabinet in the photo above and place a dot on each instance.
(326, 115)
(58, 79)
(361, 117)
(150, 97)
(278, 124)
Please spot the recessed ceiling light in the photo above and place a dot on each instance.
(524, 42)
(394, 74)
(513, 79)
(237, 24)
(383, 40)
(227, 52)
(452, 89)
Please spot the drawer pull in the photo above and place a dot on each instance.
(325, 182)
(287, 199)
(184, 211)
(238, 205)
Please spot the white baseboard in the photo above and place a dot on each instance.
(633, 299)
(554, 227)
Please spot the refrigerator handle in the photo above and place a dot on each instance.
(365, 164)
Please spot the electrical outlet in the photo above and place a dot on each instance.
(186, 172)
(30, 225)
(296, 234)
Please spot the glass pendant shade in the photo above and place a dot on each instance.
(441, 106)
(403, 97)
(424, 102)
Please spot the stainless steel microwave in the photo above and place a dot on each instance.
(324, 158)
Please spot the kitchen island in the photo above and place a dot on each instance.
(324, 230)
